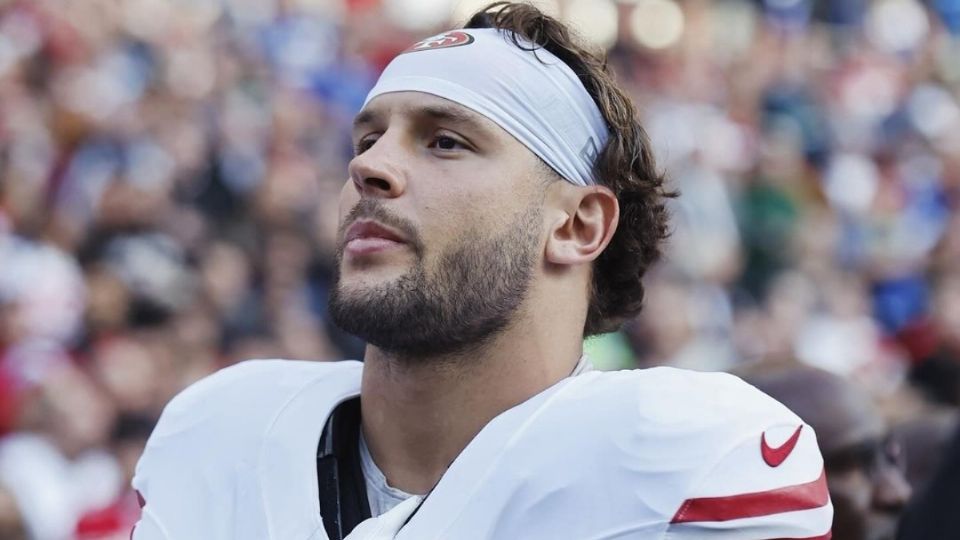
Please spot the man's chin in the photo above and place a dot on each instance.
(881, 526)
(363, 281)
(396, 257)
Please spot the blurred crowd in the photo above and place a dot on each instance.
(169, 173)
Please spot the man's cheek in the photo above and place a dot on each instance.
(849, 517)
(852, 486)
(348, 198)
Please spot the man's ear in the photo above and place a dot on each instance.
(584, 226)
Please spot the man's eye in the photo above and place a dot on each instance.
(444, 142)
(363, 145)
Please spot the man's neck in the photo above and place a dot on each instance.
(419, 415)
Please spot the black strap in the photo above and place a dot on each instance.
(343, 489)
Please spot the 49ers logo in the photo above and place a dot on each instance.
(442, 41)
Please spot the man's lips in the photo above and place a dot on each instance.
(363, 229)
(369, 236)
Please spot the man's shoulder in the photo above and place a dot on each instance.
(662, 453)
(234, 432)
(242, 400)
(721, 450)
(687, 399)
(252, 382)
(699, 418)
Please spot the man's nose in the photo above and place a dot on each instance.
(377, 171)
(891, 491)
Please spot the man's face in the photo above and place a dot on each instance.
(440, 227)
(868, 488)
(865, 468)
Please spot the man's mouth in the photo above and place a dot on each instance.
(366, 237)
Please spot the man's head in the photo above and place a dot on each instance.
(864, 465)
(463, 211)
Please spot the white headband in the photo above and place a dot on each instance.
(532, 95)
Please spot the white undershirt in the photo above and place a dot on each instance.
(381, 495)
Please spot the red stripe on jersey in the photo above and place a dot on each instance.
(762, 503)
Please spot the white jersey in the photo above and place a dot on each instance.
(383, 497)
(661, 454)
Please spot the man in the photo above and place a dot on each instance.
(865, 466)
(502, 204)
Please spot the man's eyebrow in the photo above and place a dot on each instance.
(364, 117)
(454, 115)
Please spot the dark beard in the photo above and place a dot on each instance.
(470, 298)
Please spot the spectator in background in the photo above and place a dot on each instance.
(865, 467)
(115, 520)
(56, 468)
(925, 438)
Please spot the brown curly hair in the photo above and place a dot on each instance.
(625, 165)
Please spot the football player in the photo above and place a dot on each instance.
(502, 204)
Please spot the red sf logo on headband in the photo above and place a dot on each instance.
(442, 41)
